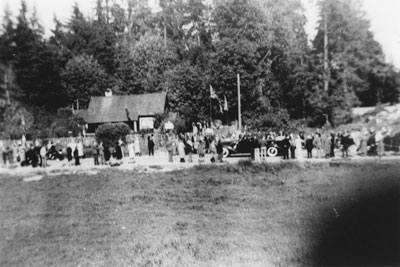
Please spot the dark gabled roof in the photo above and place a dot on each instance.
(114, 108)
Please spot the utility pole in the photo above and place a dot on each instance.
(8, 78)
(165, 25)
(326, 66)
(239, 108)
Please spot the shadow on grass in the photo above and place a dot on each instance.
(365, 232)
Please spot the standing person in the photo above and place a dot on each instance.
(363, 144)
(332, 145)
(213, 149)
(131, 151)
(194, 129)
(4, 154)
(181, 149)
(344, 140)
(10, 155)
(325, 145)
(309, 146)
(2, 149)
(195, 141)
(79, 145)
(292, 140)
(150, 145)
(207, 144)
(201, 151)
(299, 148)
(76, 156)
(107, 154)
(69, 152)
(199, 126)
(95, 153)
(252, 145)
(32, 157)
(15, 152)
(371, 144)
(21, 153)
(317, 144)
(379, 137)
(1, 152)
(137, 146)
(189, 149)
(286, 146)
(118, 151)
(43, 156)
(170, 148)
(101, 153)
(219, 149)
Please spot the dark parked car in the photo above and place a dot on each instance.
(53, 154)
(244, 147)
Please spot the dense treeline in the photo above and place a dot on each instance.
(190, 45)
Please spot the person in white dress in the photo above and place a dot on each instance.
(137, 146)
(79, 146)
(131, 151)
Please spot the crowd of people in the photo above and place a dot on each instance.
(200, 141)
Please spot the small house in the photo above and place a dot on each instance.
(138, 111)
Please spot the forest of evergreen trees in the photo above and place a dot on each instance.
(183, 49)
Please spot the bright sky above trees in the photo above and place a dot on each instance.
(383, 14)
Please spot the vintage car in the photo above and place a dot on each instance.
(54, 154)
(244, 146)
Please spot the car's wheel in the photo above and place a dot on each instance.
(225, 152)
(272, 151)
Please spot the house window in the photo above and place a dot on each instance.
(146, 123)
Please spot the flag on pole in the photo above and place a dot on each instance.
(212, 93)
(225, 104)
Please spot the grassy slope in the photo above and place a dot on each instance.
(228, 216)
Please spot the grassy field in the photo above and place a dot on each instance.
(244, 215)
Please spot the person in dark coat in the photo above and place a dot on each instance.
(309, 146)
(76, 156)
(286, 146)
(371, 145)
(219, 149)
(4, 155)
(292, 141)
(346, 142)
(207, 144)
(150, 145)
(332, 144)
(118, 152)
(69, 153)
(32, 157)
(253, 144)
(107, 154)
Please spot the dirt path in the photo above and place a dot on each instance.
(158, 163)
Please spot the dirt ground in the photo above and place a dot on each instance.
(159, 163)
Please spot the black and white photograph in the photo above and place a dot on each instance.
(209, 133)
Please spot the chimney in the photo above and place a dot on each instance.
(108, 92)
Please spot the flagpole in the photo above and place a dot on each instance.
(210, 112)
(239, 108)
(226, 110)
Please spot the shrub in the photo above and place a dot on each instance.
(110, 133)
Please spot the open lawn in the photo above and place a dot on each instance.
(283, 214)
